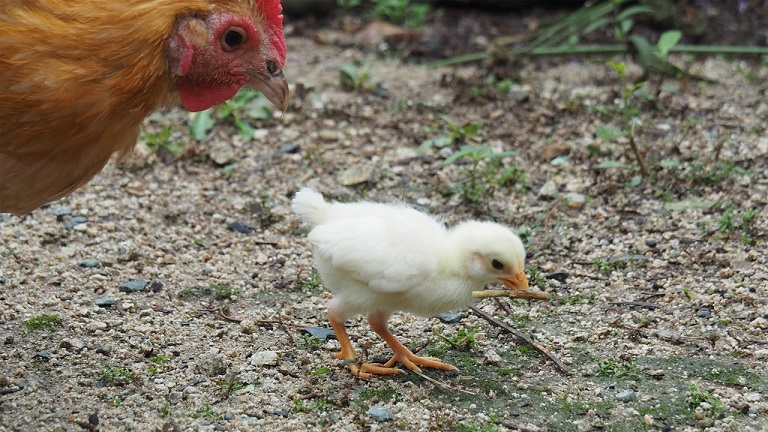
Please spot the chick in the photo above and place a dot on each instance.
(381, 258)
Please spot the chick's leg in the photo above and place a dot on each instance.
(347, 353)
(400, 353)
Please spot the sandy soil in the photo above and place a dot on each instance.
(657, 285)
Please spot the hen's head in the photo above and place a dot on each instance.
(215, 54)
(492, 253)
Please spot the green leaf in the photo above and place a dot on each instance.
(635, 181)
(613, 164)
(618, 67)
(465, 151)
(669, 163)
(633, 10)
(244, 129)
(322, 371)
(438, 141)
(202, 123)
(609, 133)
(667, 41)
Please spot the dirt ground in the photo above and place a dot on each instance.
(170, 294)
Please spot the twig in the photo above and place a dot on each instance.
(521, 294)
(521, 427)
(647, 305)
(537, 346)
(220, 312)
(443, 384)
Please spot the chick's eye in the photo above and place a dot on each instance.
(232, 38)
(498, 265)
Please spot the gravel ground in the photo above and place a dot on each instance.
(657, 289)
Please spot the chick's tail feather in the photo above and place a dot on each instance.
(310, 206)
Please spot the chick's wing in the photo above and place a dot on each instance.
(390, 256)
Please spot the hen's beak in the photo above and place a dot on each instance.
(516, 281)
(274, 87)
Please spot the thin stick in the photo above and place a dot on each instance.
(537, 346)
(521, 294)
(443, 384)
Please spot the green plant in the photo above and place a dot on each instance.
(246, 104)
(536, 277)
(358, 77)
(384, 394)
(206, 412)
(161, 141)
(312, 282)
(491, 87)
(311, 343)
(41, 322)
(450, 133)
(401, 12)
(730, 224)
(707, 401)
(464, 339)
(620, 369)
(628, 115)
(115, 375)
(115, 401)
(608, 266)
(220, 291)
(483, 174)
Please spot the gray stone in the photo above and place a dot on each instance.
(321, 333)
(626, 396)
(134, 286)
(73, 344)
(265, 358)
(90, 263)
(704, 313)
(105, 302)
(450, 318)
(379, 413)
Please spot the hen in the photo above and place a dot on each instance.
(379, 258)
(78, 77)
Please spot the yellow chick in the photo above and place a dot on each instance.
(381, 258)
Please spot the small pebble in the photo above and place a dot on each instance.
(450, 318)
(265, 358)
(321, 333)
(90, 263)
(240, 227)
(379, 413)
(43, 355)
(704, 313)
(74, 344)
(103, 349)
(559, 275)
(71, 222)
(626, 396)
(575, 200)
(761, 353)
(105, 302)
(134, 286)
(207, 270)
(156, 287)
(650, 243)
(288, 148)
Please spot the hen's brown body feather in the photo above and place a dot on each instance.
(76, 80)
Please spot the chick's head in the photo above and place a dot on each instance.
(491, 253)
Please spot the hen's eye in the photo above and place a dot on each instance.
(232, 38)
(498, 265)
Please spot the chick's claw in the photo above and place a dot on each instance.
(412, 362)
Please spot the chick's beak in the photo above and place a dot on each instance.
(515, 281)
(273, 86)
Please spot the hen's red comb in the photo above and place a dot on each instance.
(273, 13)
